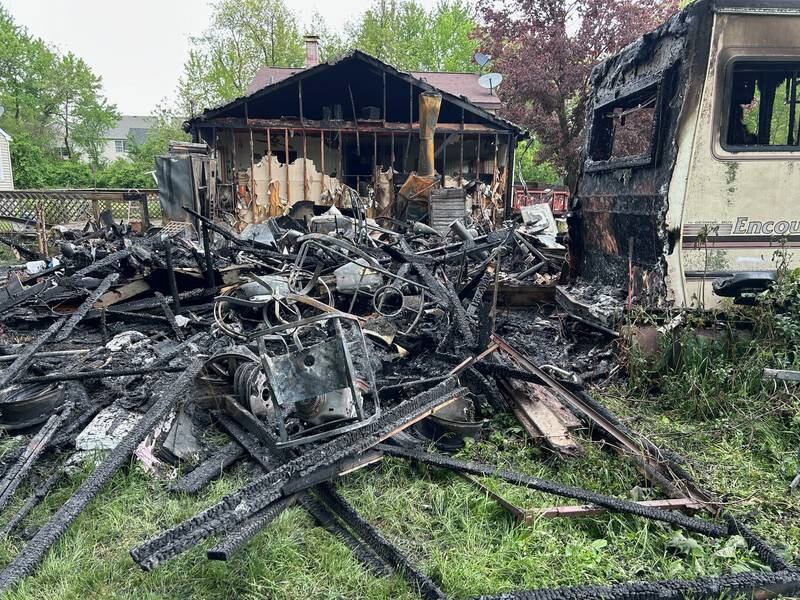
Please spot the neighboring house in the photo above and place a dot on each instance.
(463, 85)
(128, 127)
(6, 175)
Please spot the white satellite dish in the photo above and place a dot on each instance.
(490, 81)
(482, 58)
(2, 110)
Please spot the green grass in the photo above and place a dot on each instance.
(743, 446)
(454, 532)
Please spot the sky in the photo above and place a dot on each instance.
(138, 47)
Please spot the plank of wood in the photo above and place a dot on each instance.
(124, 292)
(782, 374)
(526, 516)
(549, 399)
(538, 419)
(587, 510)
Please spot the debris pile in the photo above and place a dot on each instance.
(317, 345)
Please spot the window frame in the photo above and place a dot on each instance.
(657, 82)
(724, 113)
(120, 142)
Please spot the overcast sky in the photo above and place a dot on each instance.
(138, 46)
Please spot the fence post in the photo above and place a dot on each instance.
(96, 212)
(145, 214)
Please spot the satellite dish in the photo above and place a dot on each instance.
(490, 81)
(482, 59)
(2, 110)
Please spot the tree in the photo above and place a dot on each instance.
(94, 117)
(249, 34)
(546, 50)
(530, 168)
(404, 35)
(25, 67)
(75, 94)
(244, 36)
(49, 96)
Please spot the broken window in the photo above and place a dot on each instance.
(762, 106)
(624, 129)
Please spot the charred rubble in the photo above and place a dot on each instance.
(317, 346)
(315, 339)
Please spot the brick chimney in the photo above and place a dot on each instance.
(312, 50)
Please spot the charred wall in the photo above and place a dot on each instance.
(619, 233)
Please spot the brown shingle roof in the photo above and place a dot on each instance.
(461, 84)
(268, 75)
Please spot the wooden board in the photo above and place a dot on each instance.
(123, 292)
(538, 419)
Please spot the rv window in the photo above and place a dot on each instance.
(624, 128)
(762, 106)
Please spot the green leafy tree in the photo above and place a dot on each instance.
(26, 64)
(28, 159)
(249, 34)
(76, 95)
(530, 167)
(244, 35)
(49, 96)
(93, 119)
(402, 33)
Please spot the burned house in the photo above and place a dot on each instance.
(351, 131)
(690, 164)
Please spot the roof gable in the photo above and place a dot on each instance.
(350, 73)
(464, 85)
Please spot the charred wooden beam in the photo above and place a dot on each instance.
(314, 467)
(99, 374)
(34, 552)
(210, 469)
(542, 485)
(17, 473)
(87, 304)
(314, 126)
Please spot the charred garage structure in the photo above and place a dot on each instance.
(689, 172)
(354, 127)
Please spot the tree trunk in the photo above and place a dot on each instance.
(66, 131)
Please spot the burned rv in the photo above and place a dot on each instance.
(691, 170)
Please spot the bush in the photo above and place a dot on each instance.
(710, 368)
(70, 173)
(125, 174)
(28, 160)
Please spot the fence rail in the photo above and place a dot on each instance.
(18, 208)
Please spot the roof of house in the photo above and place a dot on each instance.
(464, 85)
(461, 84)
(268, 75)
(420, 80)
(131, 125)
(5, 135)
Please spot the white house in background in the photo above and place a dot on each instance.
(117, 138)
(6, 175)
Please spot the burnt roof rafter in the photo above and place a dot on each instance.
(377, 67)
